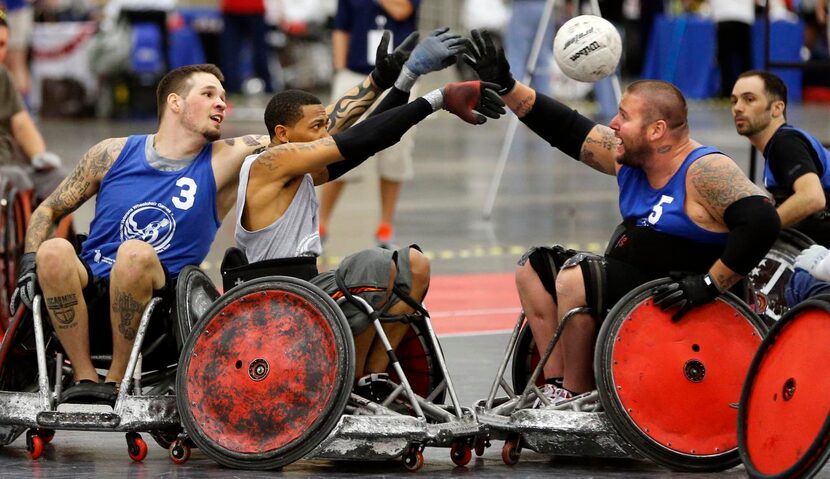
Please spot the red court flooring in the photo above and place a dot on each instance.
(473, 303)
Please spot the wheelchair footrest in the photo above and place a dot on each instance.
(79, 420)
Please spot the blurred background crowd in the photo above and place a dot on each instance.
(103, 58)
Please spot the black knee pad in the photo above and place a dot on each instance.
(546, 261)
(595, 280)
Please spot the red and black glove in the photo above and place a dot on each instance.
(473, 101)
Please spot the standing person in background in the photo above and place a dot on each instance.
(19, 16)
(734, 19)
(518, 41)
(358, 27)
(244, 22)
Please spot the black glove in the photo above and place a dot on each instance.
(388, 65)
(473, 101)
(26, 288)
(686, 292)
(489, 62)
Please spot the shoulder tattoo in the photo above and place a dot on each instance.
(720, 183)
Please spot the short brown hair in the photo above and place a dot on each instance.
(178, 81)
(774, 86)
(665, 102)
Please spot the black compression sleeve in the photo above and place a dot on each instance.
(559, 125)
(392, 99)
(753, 228)
(375, 134)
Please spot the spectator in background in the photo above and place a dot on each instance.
(518, 41)
(734, 19)
(21, 144)
(144, 11)
(358, 26)
(244, 22)
(20, 22)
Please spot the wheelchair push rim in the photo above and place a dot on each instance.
(784, 420)
(671, 389)
(266, 373)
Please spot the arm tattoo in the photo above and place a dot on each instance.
(720, 183)
(130, 311)
(63, 310)
(525, 105)
(352, 106)
(74, 190)
(607, 141)
(252, 140)
(274, 155)
(230, 141)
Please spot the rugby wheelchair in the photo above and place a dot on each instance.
(256, 378)
(666, 391)
(265, 378)
(784, 413)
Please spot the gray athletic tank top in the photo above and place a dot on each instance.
(295, 233)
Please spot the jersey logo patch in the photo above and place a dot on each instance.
(150, 222)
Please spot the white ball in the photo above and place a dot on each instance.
(587, 48)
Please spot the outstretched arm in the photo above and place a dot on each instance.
(329, 158)
(351, 106)
(73, 191)
(562, 127)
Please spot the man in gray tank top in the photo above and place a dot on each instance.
(278, 209)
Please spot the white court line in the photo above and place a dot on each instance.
(475, 333)
(474, 312)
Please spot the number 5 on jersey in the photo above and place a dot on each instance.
(657, 210)
(187, 196)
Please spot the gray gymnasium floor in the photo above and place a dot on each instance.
(545, 198)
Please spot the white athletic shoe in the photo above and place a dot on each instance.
(555, 394)
(585, 402)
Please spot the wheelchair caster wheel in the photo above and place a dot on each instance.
(481, 445)
(179, 452)
(46, 434)
(413, 460)
(461, 453)
(34, 444)
(510, 453)
(136, 447)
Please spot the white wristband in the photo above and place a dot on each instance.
(435, 98)
(405, 80)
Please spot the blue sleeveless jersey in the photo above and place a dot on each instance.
(173, 211)
(663, 209)
(769, 179)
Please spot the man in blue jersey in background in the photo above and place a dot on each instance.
(160, 199)
(796, 167)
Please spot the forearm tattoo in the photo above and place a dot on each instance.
(63, 310)
(274, 155)
(524, 105)
(130, 311)
(351, 106)
(720, 183)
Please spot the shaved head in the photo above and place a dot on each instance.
(663, 102)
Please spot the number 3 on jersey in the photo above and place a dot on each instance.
(187, 196)
(657, 210)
